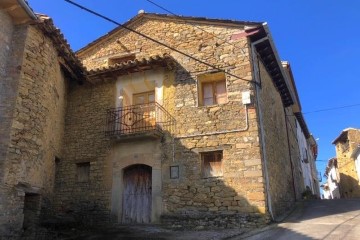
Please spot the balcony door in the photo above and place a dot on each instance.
(144, 110)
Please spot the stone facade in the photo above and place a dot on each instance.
(345, 144)
(73, 146)
(280, 179)
(32, 116)
(241, 189)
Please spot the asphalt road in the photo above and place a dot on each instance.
(317, 219)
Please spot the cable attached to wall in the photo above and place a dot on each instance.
(156, 41)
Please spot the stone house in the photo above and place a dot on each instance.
(331, 187)
(303, 145)
(36, 65)
(199, 134)
(346, 145)
(184, 141)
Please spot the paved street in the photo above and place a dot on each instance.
(318, 219)
(315, 219)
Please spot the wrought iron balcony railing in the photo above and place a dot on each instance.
(138, 120)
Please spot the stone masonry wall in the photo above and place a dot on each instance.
(12, 40)
(6, 33)
(349, 182)
(241, 188)
(37, 122)
(295, 153)
(6, 88)
(86, 142)
(276, 146)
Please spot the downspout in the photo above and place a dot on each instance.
(27, 9)
(262, 133)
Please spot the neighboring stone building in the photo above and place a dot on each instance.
(226, 158)
(303, 145)
(151, 135)
(346, 145)
(36, 65)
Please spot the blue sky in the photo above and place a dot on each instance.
(319, 38)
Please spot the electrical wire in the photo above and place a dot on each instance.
(334, 108)
(327, 109)
(183, 53)
(156, 41)
(176, 15)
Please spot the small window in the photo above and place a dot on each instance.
(212, 89)
(121, 59)
(212, 164)
(57, 169)
(83, 171)
(174, 172)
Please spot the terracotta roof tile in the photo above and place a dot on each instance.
(134, 65)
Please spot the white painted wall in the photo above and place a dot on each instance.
(305, 153)
(127, 85)
(332, 182)
(357, 166)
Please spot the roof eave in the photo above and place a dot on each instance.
(299, 116)
(340, 137)
(19, 11)
(144, 64)
(271, 60)
(27, 9)
(70, 63)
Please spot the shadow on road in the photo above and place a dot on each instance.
(321, 208)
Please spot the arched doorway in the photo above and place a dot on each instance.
(136, 203)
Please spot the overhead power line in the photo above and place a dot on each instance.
(176, 15)
(327, 109)
(334, 108)
(155, 41)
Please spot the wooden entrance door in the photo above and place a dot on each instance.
(137, 194)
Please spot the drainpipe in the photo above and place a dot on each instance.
(262, 133)
(27, 9)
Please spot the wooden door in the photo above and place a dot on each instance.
(145, 110)
(137, 194)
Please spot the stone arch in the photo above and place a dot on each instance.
(125, 155)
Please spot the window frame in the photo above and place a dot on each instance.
(174, 172)
(83, 169)
(213, 79)
(218, 156)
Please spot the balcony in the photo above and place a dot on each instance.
(138, 121)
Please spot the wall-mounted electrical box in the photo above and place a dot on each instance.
(246, 97)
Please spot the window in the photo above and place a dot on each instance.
(57, 170)
(174, 172)
(212, 89)
(83, 171)
(144, 98)
(121, 59)
(211, 164)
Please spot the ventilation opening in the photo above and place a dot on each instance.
(31, 210)
(121, 59)
(57, 172)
